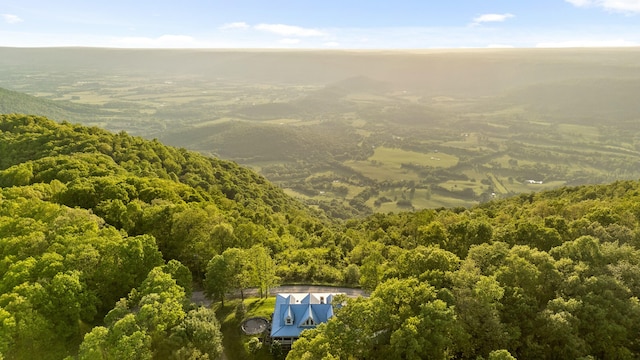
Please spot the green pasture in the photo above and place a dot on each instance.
(538, 122)
(437, 201)
(525, 187)
(498, 185)
(397, 157)
(473, 174)
(86, 97)
(467, 141)
(497, 125)
(422, 199)
(296, 194)
(504, 161)
(381, 171)
(327, 195)
(363, 133)
(386, 207)
(353, 189)
(365, 98)
(285, 121)
(581, 132)
(458, 185)
(213, 122)
(386, 163)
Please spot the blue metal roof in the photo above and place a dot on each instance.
(302, 308)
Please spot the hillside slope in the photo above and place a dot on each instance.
(142, 186)
(17, 102)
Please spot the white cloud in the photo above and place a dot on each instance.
(290, 41)
(491, 18)
(331, 44)
(623, 6)
(587, 43)
(11, 19)
(235, 25)
(288, 30)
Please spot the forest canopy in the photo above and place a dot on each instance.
(102, 236)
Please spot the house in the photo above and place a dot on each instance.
(296, 312)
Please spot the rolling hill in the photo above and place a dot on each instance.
(17, 102)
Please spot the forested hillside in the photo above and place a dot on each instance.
(86, 214)
(102, 236)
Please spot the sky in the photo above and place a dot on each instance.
(320, 24)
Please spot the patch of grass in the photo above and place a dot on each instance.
(235, 341)
(283, 121)
(438, 201)
(497, 184)
(526, 188)
(230, 327)
(589, 133)
(260, 307)
(397, 157)
(381, 171)
(422, 199)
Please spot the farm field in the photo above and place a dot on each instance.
(440, 129)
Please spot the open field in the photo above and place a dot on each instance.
(382, 171)
(376, 131)
(397, 157)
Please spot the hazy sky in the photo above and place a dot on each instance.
(323, 24)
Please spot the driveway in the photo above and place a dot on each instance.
(199, 298)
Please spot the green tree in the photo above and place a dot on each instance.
(352, 274)
(433, 234)
(372, 271)
(227, 272)
(262, 269)
(217, 280)
(199, 333)
(500, 355)
(428, 335)
(477, 306)
(181, 274)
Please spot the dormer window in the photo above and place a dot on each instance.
(288, 318)
(309, 322)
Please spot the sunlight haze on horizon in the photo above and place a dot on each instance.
(331, 24)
